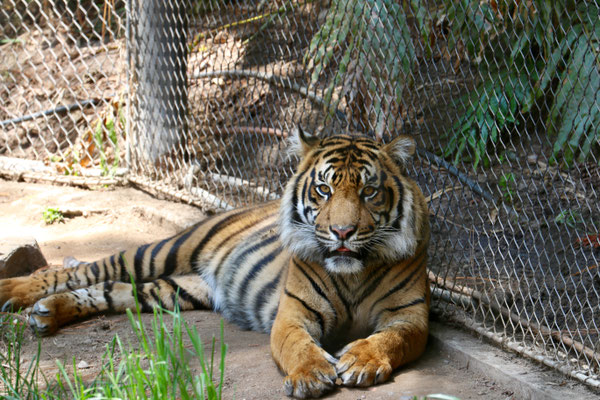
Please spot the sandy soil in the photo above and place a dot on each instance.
(123, 217)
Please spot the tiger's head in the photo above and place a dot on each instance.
(350, 202)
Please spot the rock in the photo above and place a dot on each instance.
(20, 256)
(532, 159)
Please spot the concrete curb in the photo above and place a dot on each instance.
(524, 378)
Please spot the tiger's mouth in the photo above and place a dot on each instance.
(344, 260)
(343, 252)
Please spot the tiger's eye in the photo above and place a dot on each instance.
(369, 191)
(324, 190)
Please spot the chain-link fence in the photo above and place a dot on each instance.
(62, 88)
(194, 99)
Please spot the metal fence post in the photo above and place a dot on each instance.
(160, 73)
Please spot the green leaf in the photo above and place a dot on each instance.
(552, 64)
(577, 102)
(423, 18)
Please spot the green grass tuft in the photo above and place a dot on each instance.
(155, 366)
(17, 379)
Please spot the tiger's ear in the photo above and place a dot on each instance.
(300, 143)
(401, 149)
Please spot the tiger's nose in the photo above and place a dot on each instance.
(343, 232)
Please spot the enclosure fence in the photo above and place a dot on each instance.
(194, 100)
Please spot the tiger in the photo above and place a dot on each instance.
(334, 271)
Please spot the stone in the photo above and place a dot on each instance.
(20, 256)
(532, 159)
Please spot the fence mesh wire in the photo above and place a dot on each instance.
(195, 99)
(62, 85)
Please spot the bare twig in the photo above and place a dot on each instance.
(58, 110)
(441, 192)
(199, 197)
(86, 182)
(256, 130)
(284, 82)
(261, 192)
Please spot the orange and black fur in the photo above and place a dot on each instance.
(339, 260)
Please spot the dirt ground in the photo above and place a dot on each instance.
(125, 217)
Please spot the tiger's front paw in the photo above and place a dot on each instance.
(16, 293)
(362, 363)
(313, 379)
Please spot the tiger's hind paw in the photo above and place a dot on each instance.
(42, 320)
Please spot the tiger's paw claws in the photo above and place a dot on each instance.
(359, 366)
(7, 306)
(312, 380)
(40, 309)
(39, 326)
(41, 319)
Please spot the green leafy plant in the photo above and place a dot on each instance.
(507, 185)
(370, 44)
(155, 366)
(490, 108)
(527, 52)
(109, 129)
(569, 218)
(52, 215)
